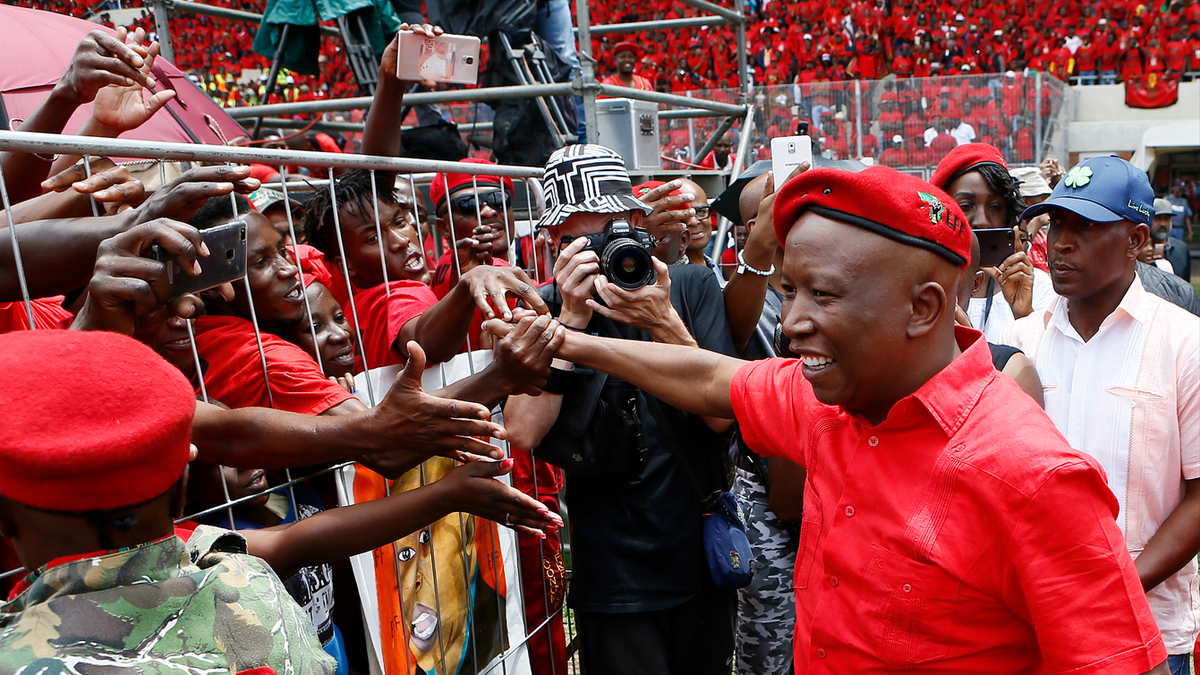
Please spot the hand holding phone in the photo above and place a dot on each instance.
(787, 153)
(442, 58)
(226, 261)
(995, 245)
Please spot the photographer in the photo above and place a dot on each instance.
(640, 585)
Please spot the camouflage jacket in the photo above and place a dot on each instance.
(201, 608)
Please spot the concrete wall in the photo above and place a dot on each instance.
(1101, 122)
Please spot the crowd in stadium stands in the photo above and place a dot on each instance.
(928, 426)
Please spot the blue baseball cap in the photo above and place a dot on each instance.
(1103, 190)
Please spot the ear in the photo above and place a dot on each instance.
(977, 282)
(929, 303)
(1139, 234)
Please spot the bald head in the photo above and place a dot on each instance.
(751, 196)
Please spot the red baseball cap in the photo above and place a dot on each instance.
(625, 47)
(963, 159)
(438, 189)
(108, 426)
(895, 205)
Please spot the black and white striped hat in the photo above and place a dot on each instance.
(586, 179)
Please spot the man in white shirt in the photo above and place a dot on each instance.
(1121, 373)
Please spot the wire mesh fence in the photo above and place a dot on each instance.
(461, 594)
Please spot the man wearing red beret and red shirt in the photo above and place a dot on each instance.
(626, 54)
(934, 539)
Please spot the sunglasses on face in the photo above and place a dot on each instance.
(466, 204)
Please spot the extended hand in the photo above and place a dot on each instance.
(1015, 276)
(129, 292)
(486, 283)
(121, 107)
(648, 308)
(524, 354)
(100, 60)
(422, 425)
(471, 488)
(667, 218)
(182, 197)
(111, 185)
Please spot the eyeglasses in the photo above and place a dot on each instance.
(466, 204)
(703, 212)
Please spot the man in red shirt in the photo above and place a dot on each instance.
(935, 539)
(626, 54)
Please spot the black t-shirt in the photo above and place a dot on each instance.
(636, 543)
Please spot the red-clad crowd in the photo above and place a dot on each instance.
(813, 40)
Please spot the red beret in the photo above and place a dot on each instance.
(438, 190)
(92, 420)
(964, 158)
(895, 205)
(313, 265)
(625, 47)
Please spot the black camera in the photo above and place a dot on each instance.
(626, 254)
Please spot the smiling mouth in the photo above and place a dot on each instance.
(294, 294)
(423, 628)
(816, 364)
(345, 358)
(414, 263)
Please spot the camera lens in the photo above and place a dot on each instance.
(627, 264)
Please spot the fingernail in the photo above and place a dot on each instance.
(506, 463)
(196, 268)
(544, 511)
(540, 534)
(204, 247)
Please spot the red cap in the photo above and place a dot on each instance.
(313, 265)
(438, 190)
(625, 47)
(880, 199)
(964, 158)
(107, 426)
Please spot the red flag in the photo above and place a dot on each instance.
(1151, 91)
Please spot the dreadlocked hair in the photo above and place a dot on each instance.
(1000, 182)
(353, 191)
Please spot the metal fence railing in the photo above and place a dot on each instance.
(510, 654)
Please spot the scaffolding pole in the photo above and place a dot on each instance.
(586, 83)
(488, 94)
(25, 141)
(662, 24)
(163, 28)
(731, 15)
(230, 14)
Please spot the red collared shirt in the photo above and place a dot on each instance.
(962, 534)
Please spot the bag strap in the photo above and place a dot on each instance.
(664, 424)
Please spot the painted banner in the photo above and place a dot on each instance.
(445, 600)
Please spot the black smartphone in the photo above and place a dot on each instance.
(995, 245)
(226, 260)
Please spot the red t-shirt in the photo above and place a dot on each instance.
(383, 315)
(962, 533)
(234, 375)
(47, 313)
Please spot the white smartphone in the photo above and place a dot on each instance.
(787, 152)
(445, 58)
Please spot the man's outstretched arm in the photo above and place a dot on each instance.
(691, 379)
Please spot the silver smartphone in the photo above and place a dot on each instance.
(445, 58)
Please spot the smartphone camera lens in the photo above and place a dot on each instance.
(468, 60)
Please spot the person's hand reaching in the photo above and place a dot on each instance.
(101, 60)
(182, 197)
(389, 61)
(471, 488)
(121, 107)
(112, 186)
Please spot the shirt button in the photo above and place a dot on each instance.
(833, 581)
(849, 511)
(820, 653)
(873, 441)
(907, 588)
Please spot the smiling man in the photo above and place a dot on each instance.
(935, 540)
(1121, 374)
